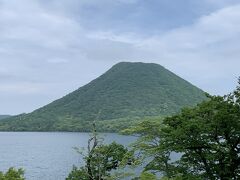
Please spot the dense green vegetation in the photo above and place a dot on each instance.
(100, 160)
(12, 174)
(207, 136)
(125, 94)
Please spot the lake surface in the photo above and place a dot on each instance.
(47, 156)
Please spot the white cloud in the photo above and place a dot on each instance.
(46, 52)
(204, 53)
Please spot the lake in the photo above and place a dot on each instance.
(47, 155)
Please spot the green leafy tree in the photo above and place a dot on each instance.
(207, 137)
(147, 176)
(101, 160)
(12, 174)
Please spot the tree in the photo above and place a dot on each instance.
(12, 174)
(100, 160)
(147, 176)
(207, 137)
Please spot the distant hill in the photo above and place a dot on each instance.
(122, 96)
(4, 116)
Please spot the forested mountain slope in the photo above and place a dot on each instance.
(124, 94)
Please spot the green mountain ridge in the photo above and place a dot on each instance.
(125, 94)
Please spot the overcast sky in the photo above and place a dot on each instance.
(49, 48)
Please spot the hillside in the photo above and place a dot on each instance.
(125, 94)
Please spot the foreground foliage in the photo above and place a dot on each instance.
(101, 160)
(206, 137)
(12, 174)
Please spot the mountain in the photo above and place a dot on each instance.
(125, 94)
(4, 116)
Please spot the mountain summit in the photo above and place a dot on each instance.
(128, 91)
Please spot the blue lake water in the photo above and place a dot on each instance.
(47, 156)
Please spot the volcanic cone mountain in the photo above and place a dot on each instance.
(124, 94)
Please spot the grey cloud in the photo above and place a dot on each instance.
(206, 52)
(46, 51)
